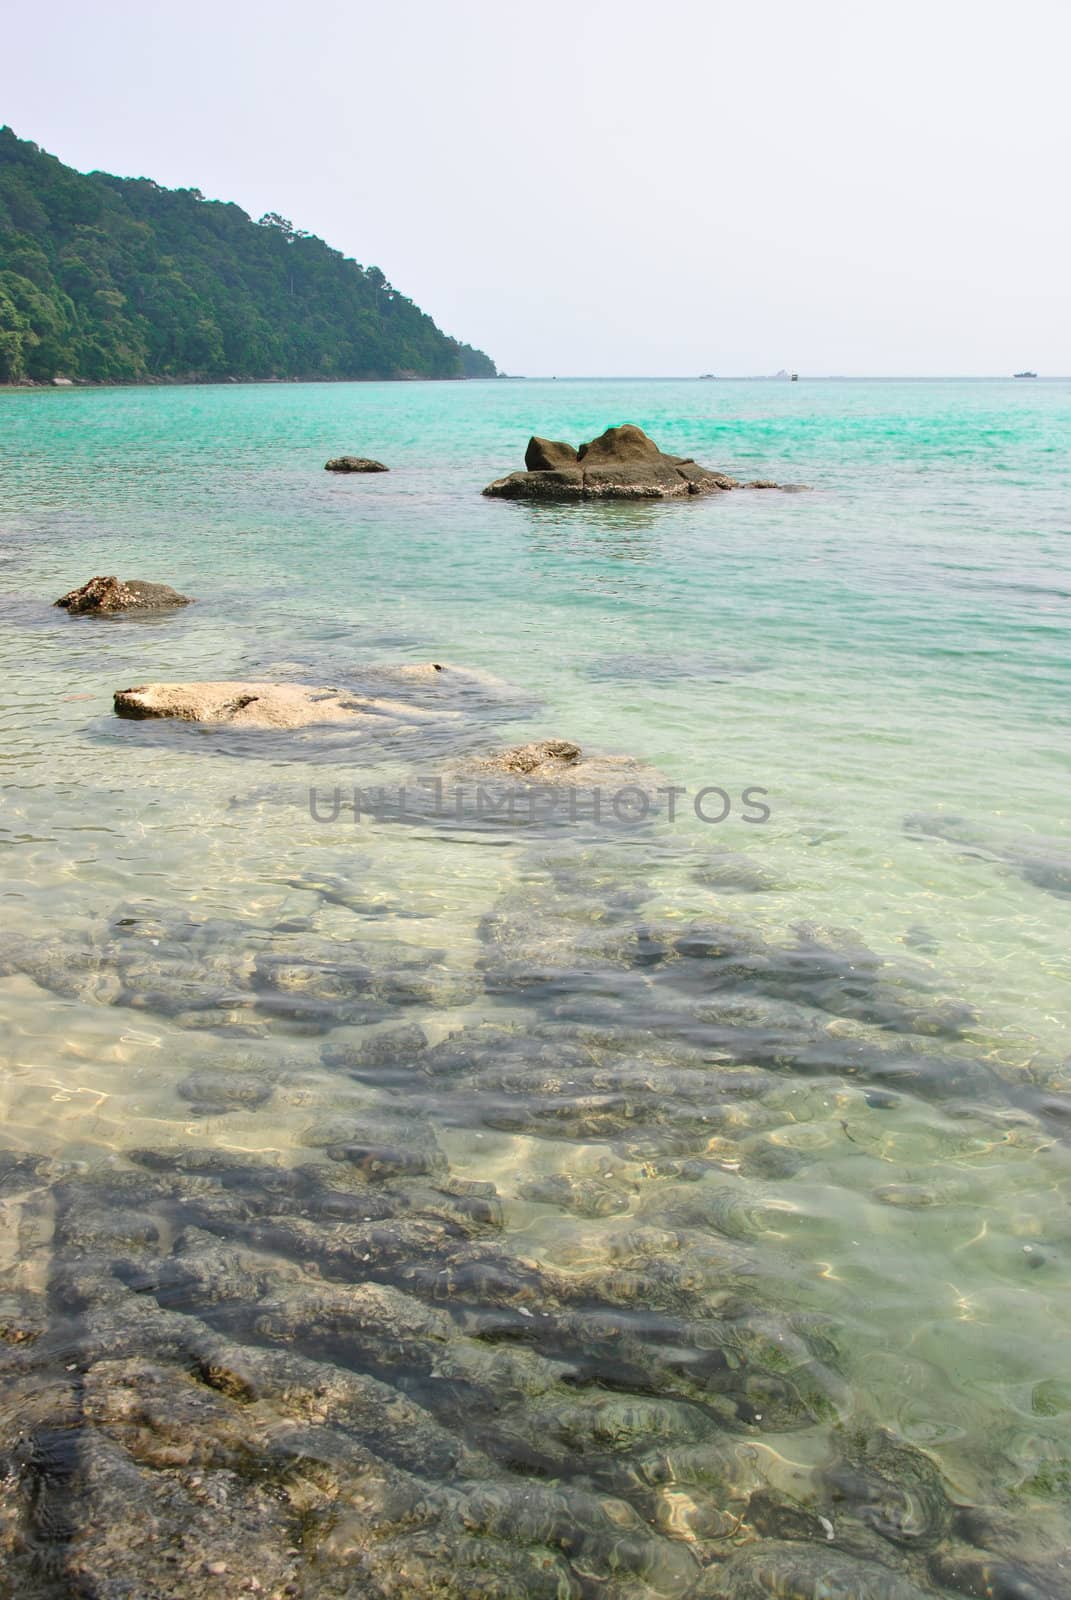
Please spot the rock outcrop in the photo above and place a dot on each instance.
(354, 464)
(118, 597)
(621, 464)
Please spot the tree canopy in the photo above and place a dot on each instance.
(117, 280)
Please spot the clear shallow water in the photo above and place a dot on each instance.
(868, 1232)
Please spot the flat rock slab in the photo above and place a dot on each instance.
(117, 597)
(621, 464)
(265, 705)
(354, 464)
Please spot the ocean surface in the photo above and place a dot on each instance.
(447, 1200)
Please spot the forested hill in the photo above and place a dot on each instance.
(116, 280)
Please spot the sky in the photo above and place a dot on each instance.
(610, 187)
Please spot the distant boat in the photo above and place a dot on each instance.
(795, 377)
(1024, 374)
(706, 375)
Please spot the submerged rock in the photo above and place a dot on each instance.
(217, 1090)
(227, 976)
(585, 1197)
(840, 976)
(357, 1366)
(621, 464)
(731, 872)
(1045, 863)
(118, 597)
(988, 1579)
(801, 1572)
(343, 1378)
(354, 464)
(890, 1487)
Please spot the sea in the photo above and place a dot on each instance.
(664, 1196)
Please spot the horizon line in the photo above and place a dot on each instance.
(774, 377)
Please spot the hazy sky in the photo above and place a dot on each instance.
(605, 186)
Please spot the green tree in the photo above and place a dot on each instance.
(117, 279)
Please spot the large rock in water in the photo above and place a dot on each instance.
(354, 464)
(116, 597)
(621, 464)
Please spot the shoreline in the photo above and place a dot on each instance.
(194, 382)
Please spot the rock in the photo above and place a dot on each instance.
(229, 976)
(215, 1091)
(584, 1197)
(354, 464)
(618, 445)
(731, 872)
(544, 758)
(116, 597)
(1045, 863)
(889, 1486)
(546, 455)
(621, 464)
(23, 1316)
(970, 1574)
(348, 1377)
(560, 761)
(800, 1572)
(261, 705)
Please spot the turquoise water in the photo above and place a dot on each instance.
(884, 654)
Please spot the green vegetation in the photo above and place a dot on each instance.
(116, 280)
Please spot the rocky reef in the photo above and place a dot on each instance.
(472, 1270)
(117, 597)
(362, 1359)
(621, 464)
(336, 1379)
